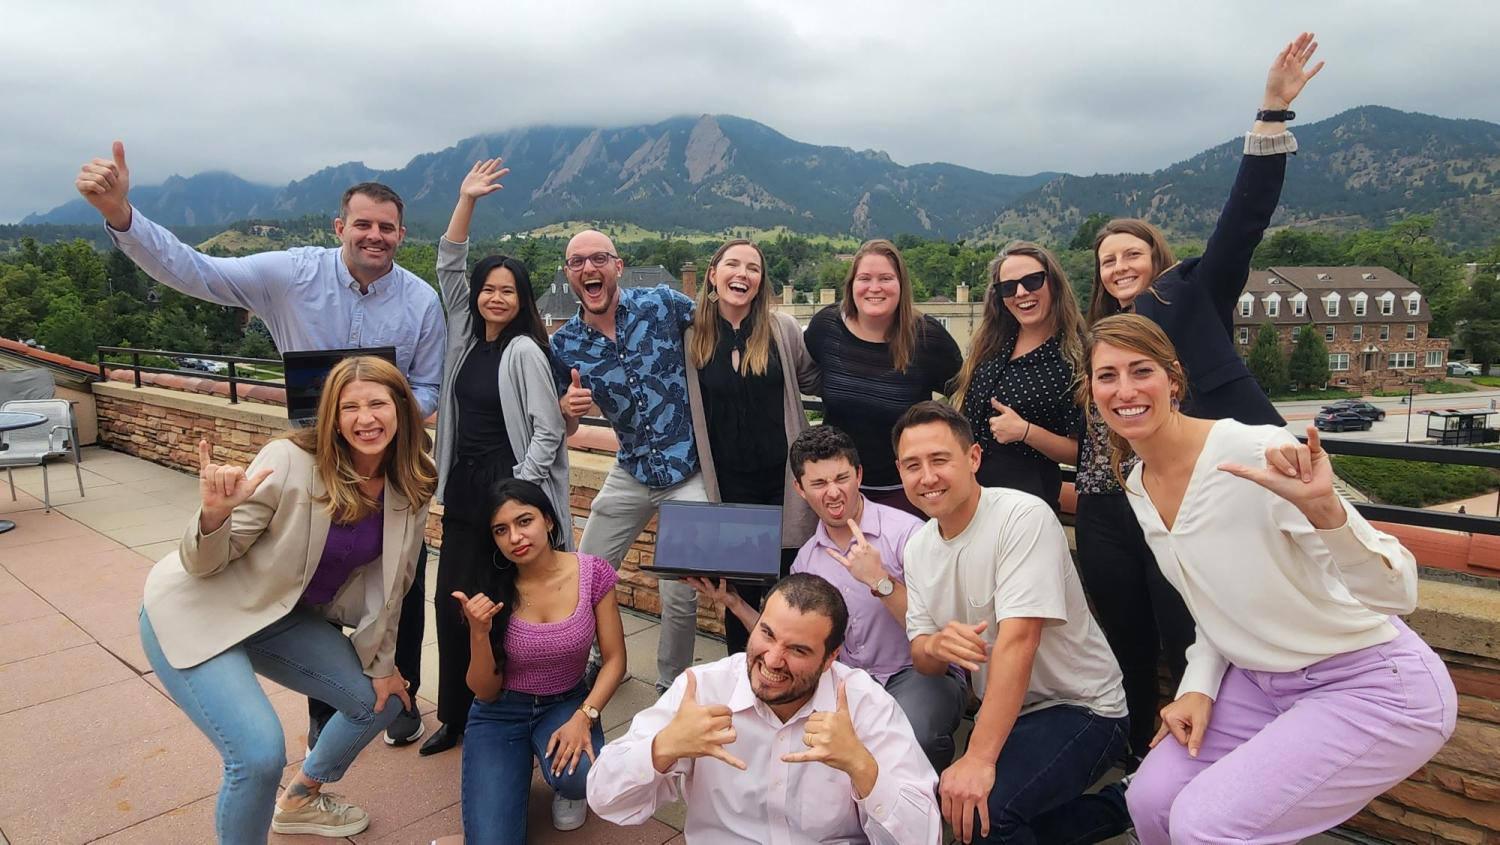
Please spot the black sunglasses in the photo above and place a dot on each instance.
(1031, 281)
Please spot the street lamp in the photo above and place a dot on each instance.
(1409, 410)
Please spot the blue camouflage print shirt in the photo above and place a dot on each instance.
(639, 381)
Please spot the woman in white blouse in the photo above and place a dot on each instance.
(1300, 666)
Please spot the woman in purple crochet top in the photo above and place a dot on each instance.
(537, 611)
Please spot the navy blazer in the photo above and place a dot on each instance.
(1194, 301)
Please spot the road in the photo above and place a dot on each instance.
(1393, 428)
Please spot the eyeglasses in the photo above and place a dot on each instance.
(1032, 282)
(598, 259)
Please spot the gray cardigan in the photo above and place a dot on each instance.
(528, 396)
(799, 375)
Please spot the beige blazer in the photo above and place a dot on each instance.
(217, 589)
(799, 375)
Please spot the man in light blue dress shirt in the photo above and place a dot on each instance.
(310, 298)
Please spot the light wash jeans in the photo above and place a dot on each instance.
(300, 651)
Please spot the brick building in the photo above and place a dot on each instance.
(1373, 321)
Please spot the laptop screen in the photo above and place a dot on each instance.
(719, 538)
(305, 372)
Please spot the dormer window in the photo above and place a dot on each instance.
(1325, 277)
(1331, 304)
(1387, 302)
(1361, 302)
(1369, 277)
(1247, 305)
(1413, 303)
(1273, 305)
(1299, 305)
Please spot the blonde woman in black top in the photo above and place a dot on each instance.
(1017, 385)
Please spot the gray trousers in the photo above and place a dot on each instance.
(933, 704)
(620, 512)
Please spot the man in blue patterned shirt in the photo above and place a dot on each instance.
(623, 350)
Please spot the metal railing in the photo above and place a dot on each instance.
(231, 375)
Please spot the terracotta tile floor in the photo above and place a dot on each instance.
(96, 752)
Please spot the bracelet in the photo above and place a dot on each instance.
(1028, 431)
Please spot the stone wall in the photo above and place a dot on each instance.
(164, 426)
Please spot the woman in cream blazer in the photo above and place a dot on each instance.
(323, 527)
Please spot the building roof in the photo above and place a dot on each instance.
(558, 302)
(1320, 284)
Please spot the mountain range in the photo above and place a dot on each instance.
(1364, 167)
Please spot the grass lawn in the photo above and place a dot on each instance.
(1434, 387)
(1330, 395)
(1486, 381)
(1415, 484)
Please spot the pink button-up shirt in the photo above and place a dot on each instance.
(875, 641)
(774, 803)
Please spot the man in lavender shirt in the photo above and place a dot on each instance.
(858, 548)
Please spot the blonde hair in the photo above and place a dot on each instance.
(407, 466)
(997, 326)
(902, 337)
(1102, 303)
(757, 357)
(1142, 336)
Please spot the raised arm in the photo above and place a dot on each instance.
(237, 507)
(1225, 265)
(253, 282)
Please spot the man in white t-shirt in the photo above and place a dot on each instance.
(991, 587)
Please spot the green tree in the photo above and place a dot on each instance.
(1409, 249)
(1083, 237)
(1267, 363)
(69, 329)
(1478, 314)
(1308, 368)
(1298, 248)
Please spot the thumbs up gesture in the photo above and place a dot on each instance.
(104, 183)
(1005, 424)
(577, 399)
(223, 488)
(696, 730)
(830, 739)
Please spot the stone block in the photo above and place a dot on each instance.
(1472, 748)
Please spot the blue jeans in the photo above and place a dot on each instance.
(1051, 756)
(300, 651)
(502, 738)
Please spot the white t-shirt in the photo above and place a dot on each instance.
(1011, 562)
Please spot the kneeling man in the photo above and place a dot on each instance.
(779, 744)
(991, 587)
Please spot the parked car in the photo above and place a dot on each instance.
(216, 367)
(1358, 406)
(1336, 419)
(1463, 368)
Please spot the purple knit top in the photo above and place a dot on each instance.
(348, 548)
(547, 659)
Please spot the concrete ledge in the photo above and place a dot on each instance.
(270, 416)
(1458, 617)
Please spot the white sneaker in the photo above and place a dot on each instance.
(568, 815)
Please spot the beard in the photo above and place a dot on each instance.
(798, 686)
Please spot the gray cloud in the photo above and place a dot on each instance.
(274, 90)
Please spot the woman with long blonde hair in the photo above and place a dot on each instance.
(1301, 666)
(1017, 386)
(879, 356)
(747, 371)
(323, 526)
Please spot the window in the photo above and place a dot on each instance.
(1273, 305)
(1244, 335)
(1329, 333)
(1299, 305)
(1414, 303)
(1434, 358)
(1247, 305)
(1296, 331)
(1360, 301)
(1338, 361)
(1411, 331)
(1356, 332)
(1387, 306)
(1385, 332)
(1402, 360)
(1331, 305)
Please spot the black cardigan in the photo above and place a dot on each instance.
(1194, 302)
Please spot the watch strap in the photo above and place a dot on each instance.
(1275, 115)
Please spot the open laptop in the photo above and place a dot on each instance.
(713, 540)
(305, 372)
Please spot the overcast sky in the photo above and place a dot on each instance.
(274, 90)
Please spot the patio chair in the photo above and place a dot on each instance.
(57, 437)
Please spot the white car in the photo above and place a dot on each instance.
(1463, 368)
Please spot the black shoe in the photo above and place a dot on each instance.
(315, 727)
(407, 728)
(442, 739)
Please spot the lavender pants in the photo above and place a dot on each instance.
(1288, 755)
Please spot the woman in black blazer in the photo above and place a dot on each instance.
(1194, 300)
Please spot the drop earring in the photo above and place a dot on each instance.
(713, 294)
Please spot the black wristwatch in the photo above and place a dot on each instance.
(1275, 115)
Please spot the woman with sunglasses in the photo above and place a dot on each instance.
(498, 418)
(879, 356)
(1194, 300)
(1017, 384)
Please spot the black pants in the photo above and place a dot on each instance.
(735, 635)
(1142, 615)
(409, 633)
(466, 546)
(1034, 474)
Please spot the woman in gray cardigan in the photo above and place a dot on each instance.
(497, 418)
(747, 371)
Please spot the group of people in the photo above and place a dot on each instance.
(924, 564)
